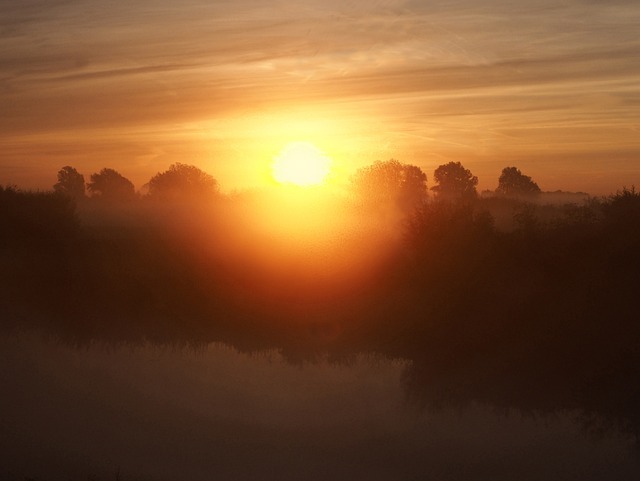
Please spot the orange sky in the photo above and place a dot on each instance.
(550, 87)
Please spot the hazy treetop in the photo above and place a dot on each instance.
(454, 182)
(512, 182)
(70, 182)
(182, 182)
(404, 185)
(109, 184)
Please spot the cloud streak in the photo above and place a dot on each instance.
(430, 68)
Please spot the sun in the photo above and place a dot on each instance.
(301, 163)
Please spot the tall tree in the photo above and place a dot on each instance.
(391, 182)
(109, 184)
(512, 182)
(454, 182)
(70, 182)
(183, 182)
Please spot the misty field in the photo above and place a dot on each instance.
(510, 304)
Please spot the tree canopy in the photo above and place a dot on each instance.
(109, 184)
(391, 181)
(182, 182)
(512, 182)
(454, 182)
(70, 183)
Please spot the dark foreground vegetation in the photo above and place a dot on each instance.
(536, 312)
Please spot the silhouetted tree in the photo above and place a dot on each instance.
(454, 182)
(111, 185)
(41, 216)
(391, 182)
(512, 182)
(624, 204)
(183, 182)
(70, 182)
(622, 213)
(445, 229)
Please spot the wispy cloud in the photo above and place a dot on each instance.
(448, 66)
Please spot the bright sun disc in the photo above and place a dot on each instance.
(301, 163)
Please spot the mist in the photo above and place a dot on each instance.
(513, 304)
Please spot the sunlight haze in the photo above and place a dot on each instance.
(301, 163)
(549, 87)
(319, 240)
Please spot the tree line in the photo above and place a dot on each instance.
(384, 181)
(180, 181)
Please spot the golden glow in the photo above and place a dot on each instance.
(301, 163)
(294, 234)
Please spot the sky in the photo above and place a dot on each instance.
(551, 87)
